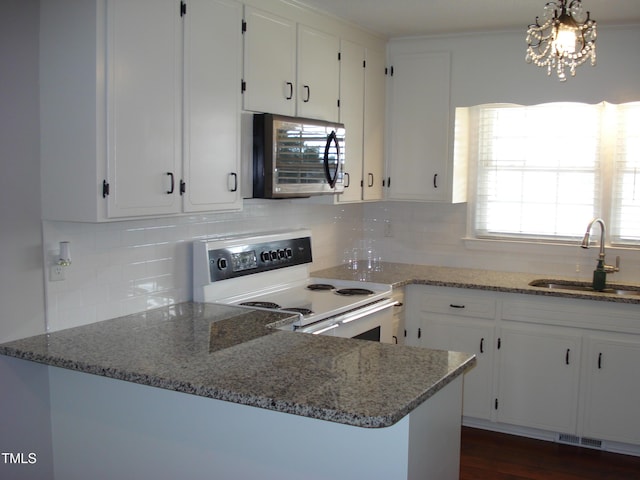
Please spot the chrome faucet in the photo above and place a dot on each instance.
(600, 273)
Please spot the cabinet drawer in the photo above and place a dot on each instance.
(464, 305)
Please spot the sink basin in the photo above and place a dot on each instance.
(622, 290)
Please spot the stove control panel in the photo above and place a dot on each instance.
(238, 260)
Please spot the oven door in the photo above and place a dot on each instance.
(371, 322)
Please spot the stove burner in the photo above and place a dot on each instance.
(354, 291)
(303, 311)
(271, 305)
(320, 286)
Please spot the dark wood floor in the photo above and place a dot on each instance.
(494, 456)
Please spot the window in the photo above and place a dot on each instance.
(544, 171)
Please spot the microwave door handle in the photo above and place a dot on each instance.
(331, 179)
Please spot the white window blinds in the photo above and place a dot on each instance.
(626, 184)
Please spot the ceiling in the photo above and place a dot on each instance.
(398, 18)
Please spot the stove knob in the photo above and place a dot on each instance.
(281, 254)
(265, 257)
(222, 264)
(274, 255)
(289, 253)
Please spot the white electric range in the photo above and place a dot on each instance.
(271, 271)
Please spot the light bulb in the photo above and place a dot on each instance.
(565, 41)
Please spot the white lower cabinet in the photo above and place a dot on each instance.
(611, 391)
(398, 316)
(442, 318)
(475, 337)
(538, 380)
(558, 365)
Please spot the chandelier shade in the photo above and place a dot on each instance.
(566, 38)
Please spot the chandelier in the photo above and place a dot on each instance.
(566, 38)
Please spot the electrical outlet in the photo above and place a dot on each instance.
(388, 231)
(56, 273)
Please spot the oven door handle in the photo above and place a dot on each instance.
(326, 329)
(371, 309)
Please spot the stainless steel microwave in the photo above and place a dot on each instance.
(297, 157)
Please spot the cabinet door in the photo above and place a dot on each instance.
(269, 63)
(318, 74)
(374, 109)
(144, 91)
(212, 104)
(446, 332)
(612, 392)
(419, 127)
(352, 77)
(538, 377)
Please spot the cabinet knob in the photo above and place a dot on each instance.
(307, 89)
(290, 95)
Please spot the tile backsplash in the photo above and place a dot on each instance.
(130, 266)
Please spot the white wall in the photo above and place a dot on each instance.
(491, 68)
(24, 393)
(21, 285)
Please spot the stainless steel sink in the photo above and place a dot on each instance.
(622, 290)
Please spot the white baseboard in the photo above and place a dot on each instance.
(606, 445)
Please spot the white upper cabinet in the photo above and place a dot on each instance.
(318, 74)
(374, 124)
(362, 108)
(352, 74)
(419, 164)
(212, 105)
(143, 94)
(269, 63)
(138, 116)
(290, 69)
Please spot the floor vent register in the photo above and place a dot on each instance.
(582, 441)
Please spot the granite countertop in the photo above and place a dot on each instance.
(236, 355)
(401, 274)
